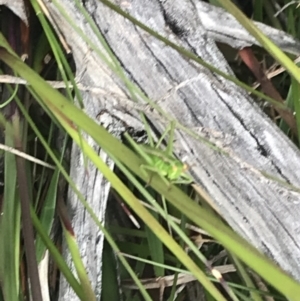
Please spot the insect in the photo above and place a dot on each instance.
(162, 162)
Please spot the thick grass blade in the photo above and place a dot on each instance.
(89, 295)
(156, 250)
(10, 229)
(275, 51)
(47, 214)
(57, 256)
(295, 89)
(110, 285)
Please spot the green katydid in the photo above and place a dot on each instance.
(162, 162)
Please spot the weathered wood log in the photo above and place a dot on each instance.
(262, 210)
(18, 7)
(223, 27)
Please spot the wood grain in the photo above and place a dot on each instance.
(265, 212)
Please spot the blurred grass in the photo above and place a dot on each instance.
(73, 120)
(10, 231)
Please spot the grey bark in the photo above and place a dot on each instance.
(18, 7)
(222, 27)
(263, 211)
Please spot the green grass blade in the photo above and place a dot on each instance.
(10, 229)
(295, 88)
(75, 253)
(276, 52)
(165, 236)
(47, 214)
(110, 286)
(56, 255)
(255, 296)
(189, 55)
(156, 250)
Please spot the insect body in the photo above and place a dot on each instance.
(162, 162)
(166, 166)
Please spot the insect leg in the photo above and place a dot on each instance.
(183, 179)
(157, 171)
(149, 134)
(163, 136)
(138, 149)
(169, 149)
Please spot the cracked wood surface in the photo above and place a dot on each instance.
(222, 27)
(265, 212)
